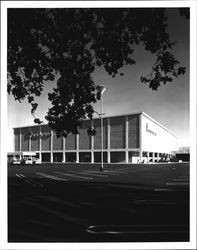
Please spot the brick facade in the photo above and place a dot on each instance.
(133, 121)
(84, 138)
(97, 137)
(35, 137)
(24, 139)
(70, 142)
(117, 132)
(46, 137)
(17, 139)
(57, 142)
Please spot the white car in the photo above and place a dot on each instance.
(29, 161)
(36, 161)
(16, 161)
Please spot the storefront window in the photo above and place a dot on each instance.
(84, 157)
(71, 157)
(144, 154)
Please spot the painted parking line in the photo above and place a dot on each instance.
(88, 174)
(169, 189)
(160, 202)
(82, 173)
(136, 229)
(177, 183)
(181, 180)
(74, 176)
(164, 190)
(115, 172)
(51, 177)
(95, 173)
(32, 181)
(111, 172)
(25, 180)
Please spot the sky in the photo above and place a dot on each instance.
(169, 105)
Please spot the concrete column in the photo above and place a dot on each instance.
(77, 157)
(126, 139)
(77, 147)
(20, 146)
(92, 137)
(108, 133)
(140, 137)
(126, 156)
(108, 141)
(153, 157)
(108, 157)
(157, 156)
(147, 156)
(126, 133)
(92, 145)
(64, 156)
(92, 156)
(51, 145)
(29, 139)
(51, 157)
(40, 143)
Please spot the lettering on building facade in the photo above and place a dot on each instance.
(149, 130)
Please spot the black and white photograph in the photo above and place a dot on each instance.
(98, 125)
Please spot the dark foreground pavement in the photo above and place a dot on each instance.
(77, 203)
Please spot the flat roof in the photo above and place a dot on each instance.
(36, 125)
(111, 116)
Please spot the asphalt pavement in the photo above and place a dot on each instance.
(79, 203)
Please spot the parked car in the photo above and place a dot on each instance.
(16, 161)
(28, 160)
(36, 161)
(31, 160)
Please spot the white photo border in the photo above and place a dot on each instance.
(3, 126)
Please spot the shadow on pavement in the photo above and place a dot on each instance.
(64, 211)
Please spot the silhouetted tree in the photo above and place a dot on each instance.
(73, 42)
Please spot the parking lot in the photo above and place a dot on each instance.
(79, 203)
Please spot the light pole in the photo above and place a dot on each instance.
(101, 89)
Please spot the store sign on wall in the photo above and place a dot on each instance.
(149, 130)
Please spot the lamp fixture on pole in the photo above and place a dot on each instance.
(101, 89)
